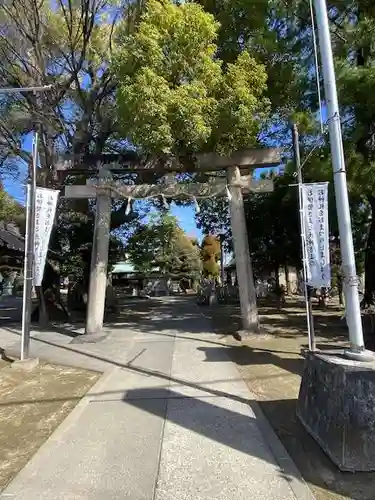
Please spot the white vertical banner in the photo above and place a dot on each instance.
(45, 210)
(316, 233)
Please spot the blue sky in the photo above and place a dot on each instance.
(186, 218)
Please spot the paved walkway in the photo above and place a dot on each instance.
(170, 419)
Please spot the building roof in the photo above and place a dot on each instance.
(126, 267)
(123, 267)
(12, 240)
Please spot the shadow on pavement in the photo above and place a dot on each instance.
(244, 355)
(226, 426)
(215, 422)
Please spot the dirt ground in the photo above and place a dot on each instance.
(271, 365)
(32, 405)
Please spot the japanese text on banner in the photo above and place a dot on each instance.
(45, 209)
(316, 234)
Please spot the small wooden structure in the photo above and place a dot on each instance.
(100, 185)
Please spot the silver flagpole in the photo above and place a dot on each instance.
(29, 253)
(353, 311)
(309, 313)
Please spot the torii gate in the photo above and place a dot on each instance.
(104, 189)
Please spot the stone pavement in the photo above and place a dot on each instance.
(168, 420)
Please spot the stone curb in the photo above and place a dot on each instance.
(296, 482)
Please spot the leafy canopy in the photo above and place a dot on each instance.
(66, 43)
(175, 96)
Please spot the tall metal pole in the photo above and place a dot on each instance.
(353, 311)
(309, 312)
(29, 253)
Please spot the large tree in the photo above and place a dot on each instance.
(352, 26)
(67, 44)
(176, 97)
(356, 77)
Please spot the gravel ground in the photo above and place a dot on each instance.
(32, 405)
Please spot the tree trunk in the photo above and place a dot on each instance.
(287, 280)
(51, 306)
(340, 289)
(43, 314)
(368, 298)
(277, 276)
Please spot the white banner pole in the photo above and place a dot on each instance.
(29, 253)
(309, 316)
(308, 304)
(352, 304)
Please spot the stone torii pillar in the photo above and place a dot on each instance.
(245, 278)
(99, 258)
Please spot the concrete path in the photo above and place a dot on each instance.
(170, 419)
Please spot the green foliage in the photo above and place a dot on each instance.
(175, 96)
(280, 37)
(273, 227)
(273, 32)
(162, 245)
(73, 244)
(182, 77)
(10, 210)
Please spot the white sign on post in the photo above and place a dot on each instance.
(316, 233)
(45, 210)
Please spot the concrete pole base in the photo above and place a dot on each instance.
(364, 355)
(336, 405)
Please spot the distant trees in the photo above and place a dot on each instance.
(161, 244)
(210, 254)
(10, 209)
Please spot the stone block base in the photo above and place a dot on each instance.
(336, 405)
(90, 338)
